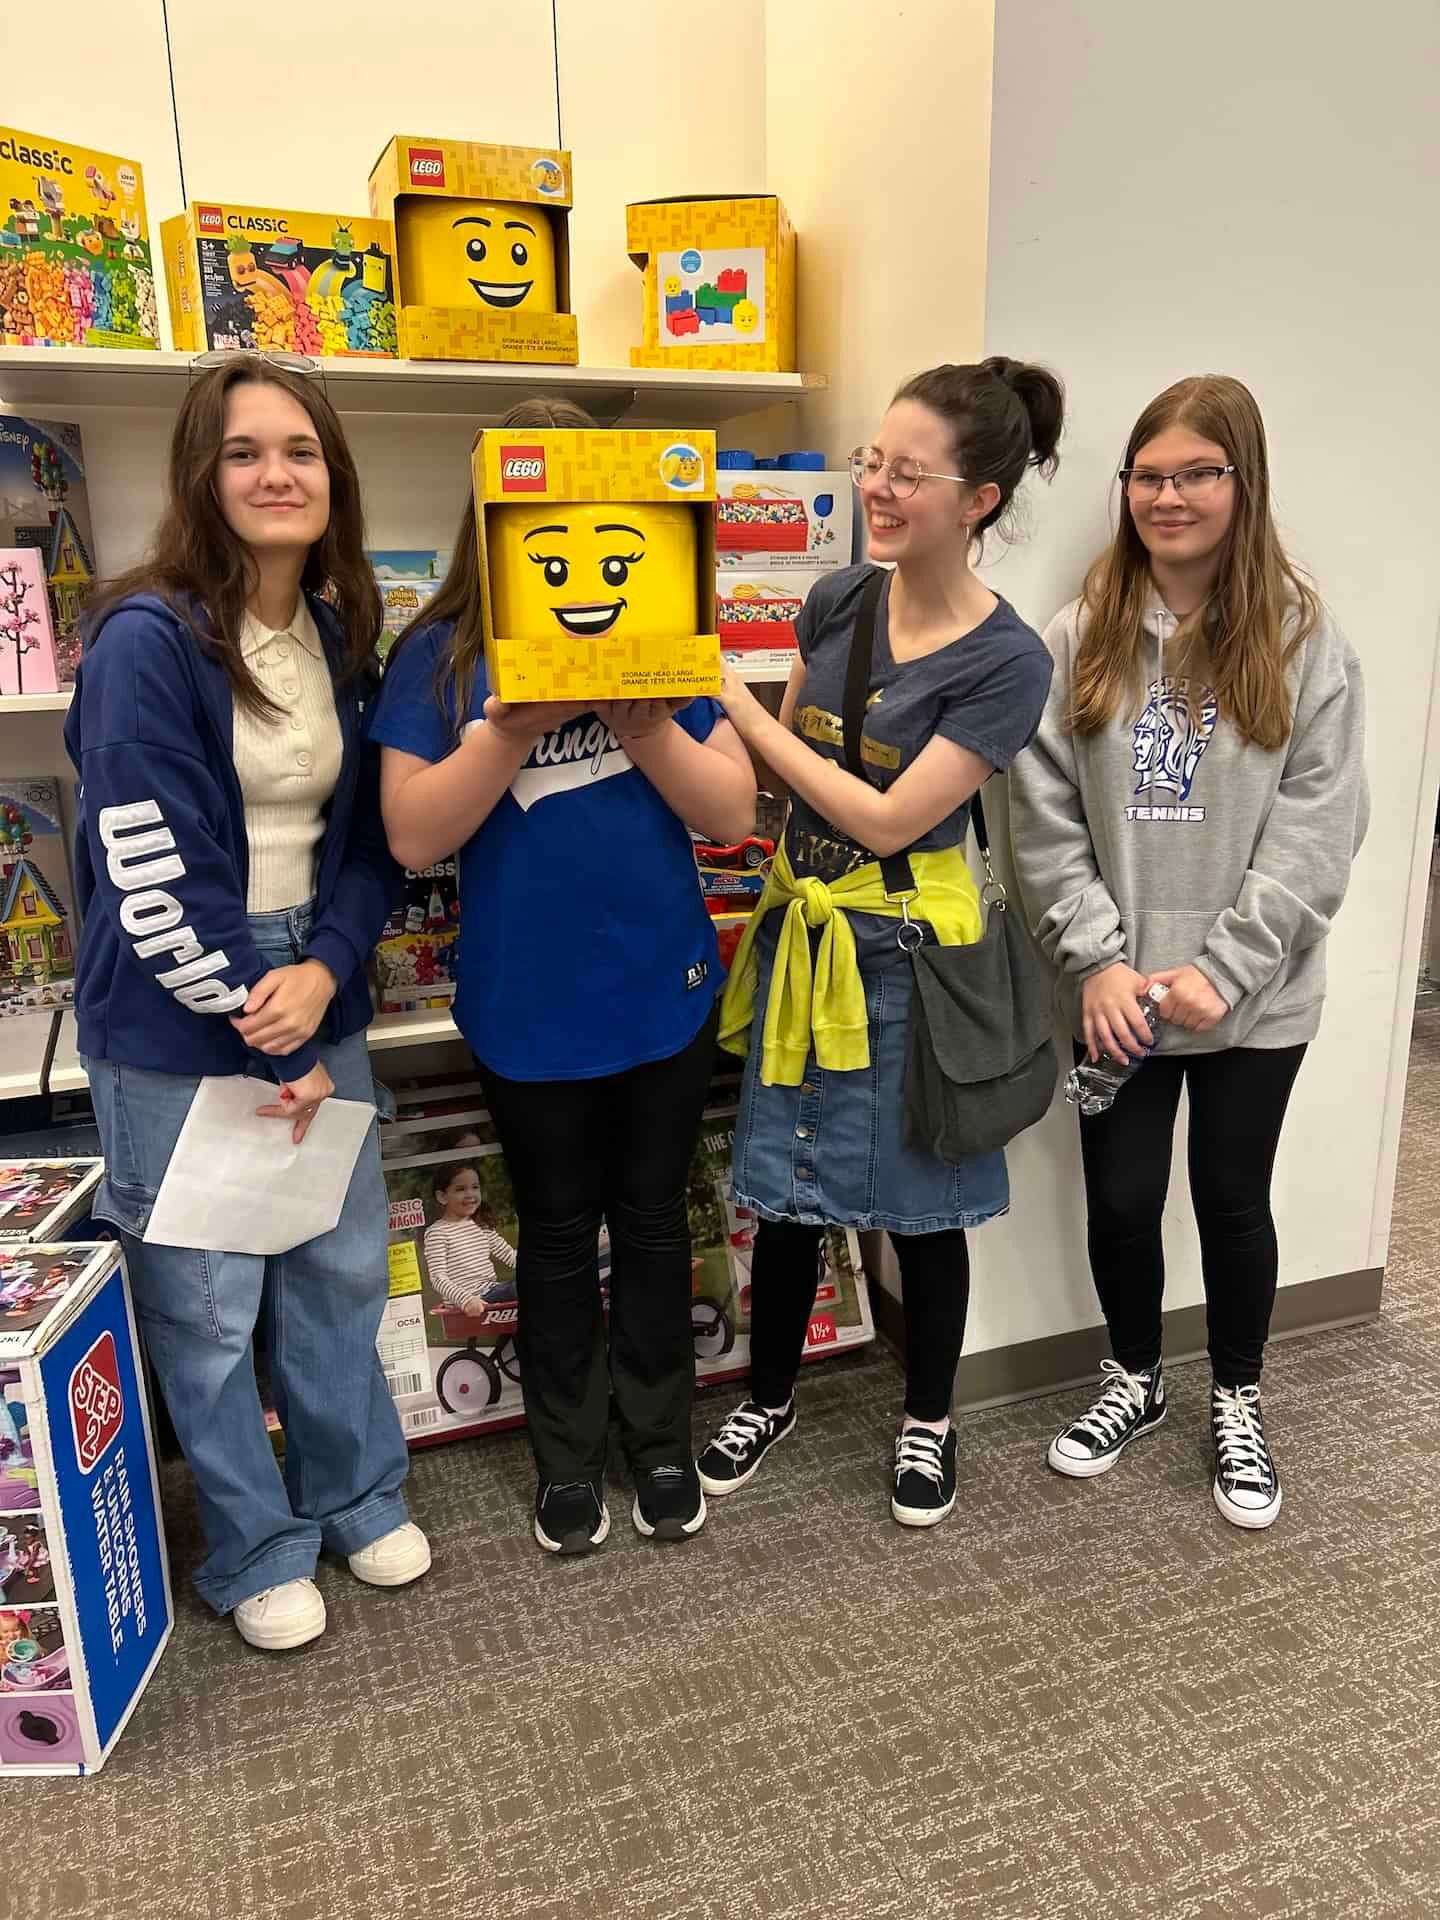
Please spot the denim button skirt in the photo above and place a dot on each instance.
(832, 1150)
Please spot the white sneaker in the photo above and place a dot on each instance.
(395, 1559)
(283, 1616)
(1247, 1487)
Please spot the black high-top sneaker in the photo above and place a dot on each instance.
(1129, 1405)
(1247, 1487)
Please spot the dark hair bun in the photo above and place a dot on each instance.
(1042, 395)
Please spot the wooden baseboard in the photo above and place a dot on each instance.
(1031, 1368)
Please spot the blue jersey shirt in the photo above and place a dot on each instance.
(585, 947)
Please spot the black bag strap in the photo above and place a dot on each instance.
(895, 868)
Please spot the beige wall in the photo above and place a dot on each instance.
(878, 138)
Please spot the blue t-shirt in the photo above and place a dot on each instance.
(585, 947)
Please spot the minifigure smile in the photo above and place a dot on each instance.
(501, 293)
(588, 619)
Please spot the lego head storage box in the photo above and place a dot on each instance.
(597, 563)
(300, 282)
(719, 283)
(75, 267)
(483, 249)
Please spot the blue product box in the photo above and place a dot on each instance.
(85, 1606)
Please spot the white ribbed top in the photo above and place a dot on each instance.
(288, 765)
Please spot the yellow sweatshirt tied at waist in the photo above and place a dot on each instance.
(822, 1006)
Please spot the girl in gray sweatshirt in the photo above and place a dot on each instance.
(1188, 816)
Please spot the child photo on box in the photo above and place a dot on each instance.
(463, 1244)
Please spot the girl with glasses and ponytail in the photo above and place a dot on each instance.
(819, 993)
(1188, 817)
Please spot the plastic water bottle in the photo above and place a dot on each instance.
(1093, 1085)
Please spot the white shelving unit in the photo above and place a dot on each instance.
(56, 378)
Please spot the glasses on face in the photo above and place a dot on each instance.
(904, 474)
(1191, 483)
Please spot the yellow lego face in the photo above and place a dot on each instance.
(681, 469)
(592, 573)
(488, 255)
(745, 316)
(672, 285)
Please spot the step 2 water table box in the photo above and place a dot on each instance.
(75, 265)
(756, 612)
(261, 277)
(85, 1606)
(765, 522)
(719, 282)
(482, 237)
(41, 1199)
(597, 563)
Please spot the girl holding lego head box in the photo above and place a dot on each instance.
(820, 990)
(586, 978)
(234, 881)
(1188, 817)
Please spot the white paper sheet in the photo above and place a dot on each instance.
(239, 1184)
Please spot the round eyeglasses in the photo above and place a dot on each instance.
(1190, 483)
(904, 474)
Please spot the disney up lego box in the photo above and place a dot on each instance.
(85, 1606)
(719, 282)
(75, 266)
(597, 563)
(318, 283)
(482, 241)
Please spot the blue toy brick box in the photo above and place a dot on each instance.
(85, 1607)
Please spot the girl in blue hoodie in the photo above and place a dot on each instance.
(233, 877)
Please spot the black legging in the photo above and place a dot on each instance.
(935, 1283)
(1237, 1105)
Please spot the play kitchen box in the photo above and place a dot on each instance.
(75, 267)
(719, 283)
(482, 239)
(597, 563)
(85, 1607)
(317, 283)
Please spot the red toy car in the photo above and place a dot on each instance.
(751, 852)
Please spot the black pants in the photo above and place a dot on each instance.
(1238, 1099)
(935, 1282)
(617, 1148)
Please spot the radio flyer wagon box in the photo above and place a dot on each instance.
(482, 238)
(39, 1199)
(597, 563)
(85, 1607)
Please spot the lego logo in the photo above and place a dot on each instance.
(522, 469)
(209, 220)
(427, 167)
(97, 1406)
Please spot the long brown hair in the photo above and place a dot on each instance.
(459, 595)
(1259, 611)
(204, 571)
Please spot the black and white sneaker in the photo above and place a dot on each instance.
(924, 1477)
(668, 1503)
(1247, 1487)
(733, 1457)
(1130, 1404)
(570, 1518)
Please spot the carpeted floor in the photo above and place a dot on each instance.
(1073, 1700)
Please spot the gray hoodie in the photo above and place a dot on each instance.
(1167, 839)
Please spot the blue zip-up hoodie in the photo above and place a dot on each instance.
(162, 861)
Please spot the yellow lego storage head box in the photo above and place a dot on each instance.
(719, 283)
(482, 249)
(597, 563)
(75, 265)
(297, 282)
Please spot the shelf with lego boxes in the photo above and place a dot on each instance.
(48, 377)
